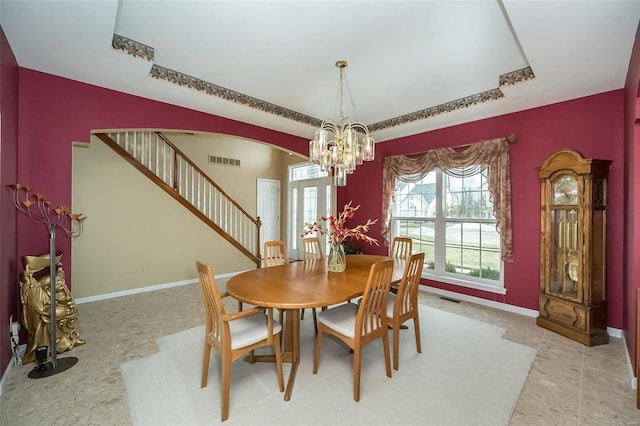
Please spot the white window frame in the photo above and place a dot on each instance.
(326, 203)
(439, 273)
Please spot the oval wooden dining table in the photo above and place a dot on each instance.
(301, 285)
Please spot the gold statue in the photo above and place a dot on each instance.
(35, 295)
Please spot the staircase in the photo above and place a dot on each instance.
(158, 159)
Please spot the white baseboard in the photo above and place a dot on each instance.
(480, 301)
(613, 332)
(632, 374)
(146, 289)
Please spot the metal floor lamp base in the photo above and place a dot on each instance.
(62, 364)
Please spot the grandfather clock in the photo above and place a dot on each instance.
(573, 291)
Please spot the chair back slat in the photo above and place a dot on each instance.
(407, 296)
(215, 326)
(275, 253)
(311, 249)
(372, 313)
(401, 248)
(252, 334)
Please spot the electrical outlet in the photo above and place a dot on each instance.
(141, 268)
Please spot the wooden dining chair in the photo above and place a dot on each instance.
(233, 335)
(311, 250)
(401, 248)
(357, 325)
(275, 253)
(402, 304)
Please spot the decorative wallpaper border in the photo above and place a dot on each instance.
(517, 76)
(423, 114)
(132, 47)
(140, 50)
(508, 79)
(181, 79)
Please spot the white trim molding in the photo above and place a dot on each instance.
(146, 289)
(480, 301)
(613, 332)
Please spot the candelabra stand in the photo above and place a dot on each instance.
(40, 210)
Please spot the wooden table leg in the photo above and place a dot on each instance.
(288, 343)
(293, 345)
(291, 353)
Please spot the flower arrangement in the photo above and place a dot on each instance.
(338, 231)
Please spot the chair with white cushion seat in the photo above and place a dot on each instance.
(357, 325)
(403, 305)
(233, 335)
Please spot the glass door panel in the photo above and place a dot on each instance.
(309, 199)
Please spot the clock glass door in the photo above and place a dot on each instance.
(564, 269)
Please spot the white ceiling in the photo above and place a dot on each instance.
(404, 56)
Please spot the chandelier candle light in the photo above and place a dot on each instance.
(338, 233)
(336, 144)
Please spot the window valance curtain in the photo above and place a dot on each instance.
(490, 155)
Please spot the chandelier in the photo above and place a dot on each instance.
(336, 144)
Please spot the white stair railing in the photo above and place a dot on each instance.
(162, 160)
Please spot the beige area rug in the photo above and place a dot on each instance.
(466, 375)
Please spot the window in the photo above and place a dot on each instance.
(450, 219)
(302, 171)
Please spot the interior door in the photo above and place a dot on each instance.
(308, 200)
(269, 210)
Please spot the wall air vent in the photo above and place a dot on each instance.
(224, 161)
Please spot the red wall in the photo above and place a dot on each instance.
(593, 126)
(9, 294)
(632, 200)
(54, 112)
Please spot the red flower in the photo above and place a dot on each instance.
(338, 232)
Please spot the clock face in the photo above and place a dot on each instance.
(565, 190)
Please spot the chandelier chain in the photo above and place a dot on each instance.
(341, 95)
(338, 146)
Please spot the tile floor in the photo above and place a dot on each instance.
(569, 384)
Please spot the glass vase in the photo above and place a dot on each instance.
(337, 259)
